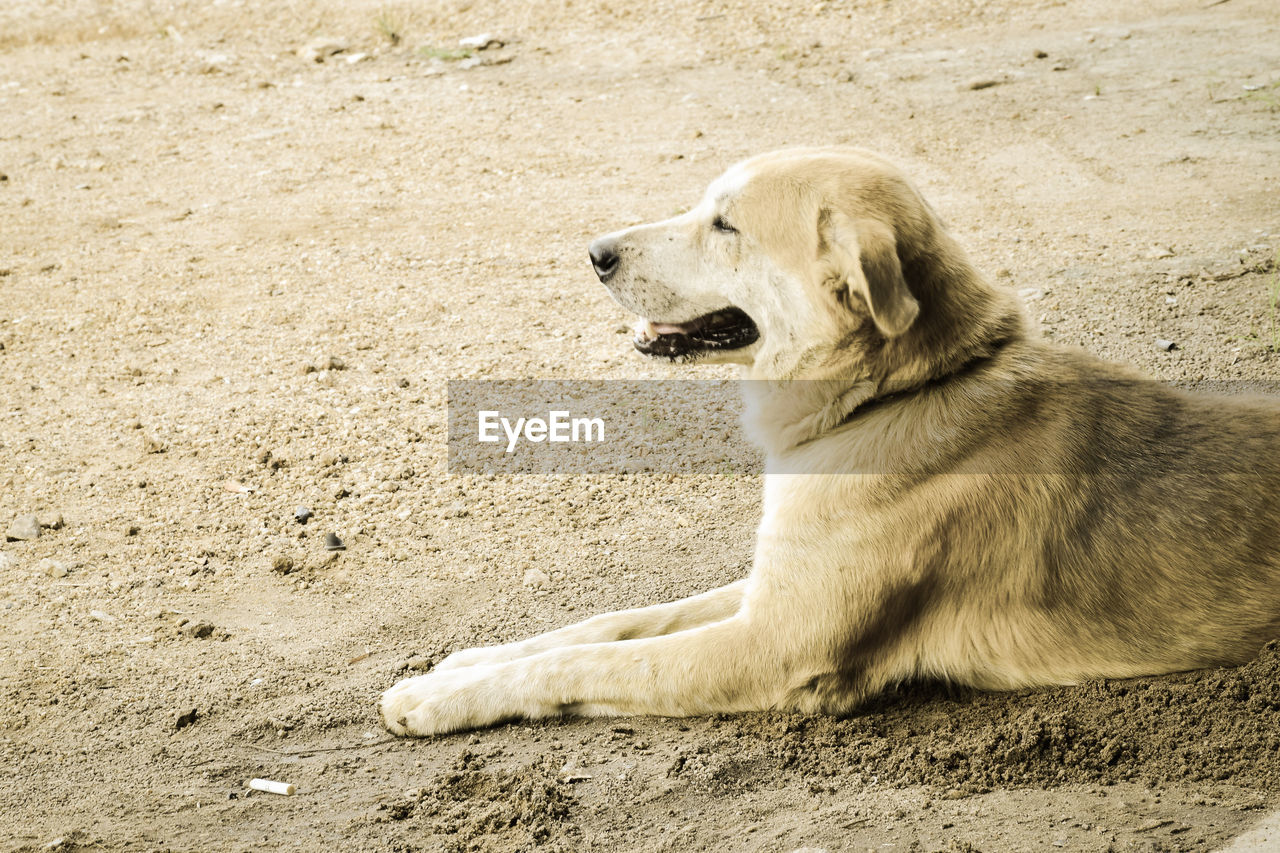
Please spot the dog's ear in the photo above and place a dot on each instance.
(863, 258)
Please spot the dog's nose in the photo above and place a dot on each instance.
(604, 257)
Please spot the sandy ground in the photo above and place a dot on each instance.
(221, 261)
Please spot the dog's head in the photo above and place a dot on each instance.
(803, 263)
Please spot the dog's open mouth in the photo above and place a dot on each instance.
(726, 329)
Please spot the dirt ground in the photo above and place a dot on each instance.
(234, 280)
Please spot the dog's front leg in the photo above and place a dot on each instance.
(726, 666)
(636, 623)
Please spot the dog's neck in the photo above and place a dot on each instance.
(965, 321)
(964, 318)
(780, 415)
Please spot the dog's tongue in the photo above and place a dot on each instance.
(647, 330)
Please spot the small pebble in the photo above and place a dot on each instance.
(53, 568)
(199, 630)
(481, 42)
(982, 83)
(212, 63)
(321, 48)
(302, 514)
(457, 509)
(418, 663)
(536, 577)
(333, 543)
(186, 718)
(282, 565)
(329, 458)
(24, 527)
(1165, 345)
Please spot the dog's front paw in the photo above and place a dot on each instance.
(441, 702)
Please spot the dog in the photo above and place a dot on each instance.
(947, 495)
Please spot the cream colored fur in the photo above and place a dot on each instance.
(949, 495)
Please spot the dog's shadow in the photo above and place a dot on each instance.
(1208, 725)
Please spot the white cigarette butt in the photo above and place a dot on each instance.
(272, 787)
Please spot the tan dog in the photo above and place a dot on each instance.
(952, 497)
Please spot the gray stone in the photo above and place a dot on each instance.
(24, 527)
(199, 630)
(53, 568)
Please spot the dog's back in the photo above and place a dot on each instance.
(1085, 523)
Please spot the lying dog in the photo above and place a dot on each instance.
(958, 499)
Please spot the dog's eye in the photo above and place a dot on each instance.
(720, 225)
